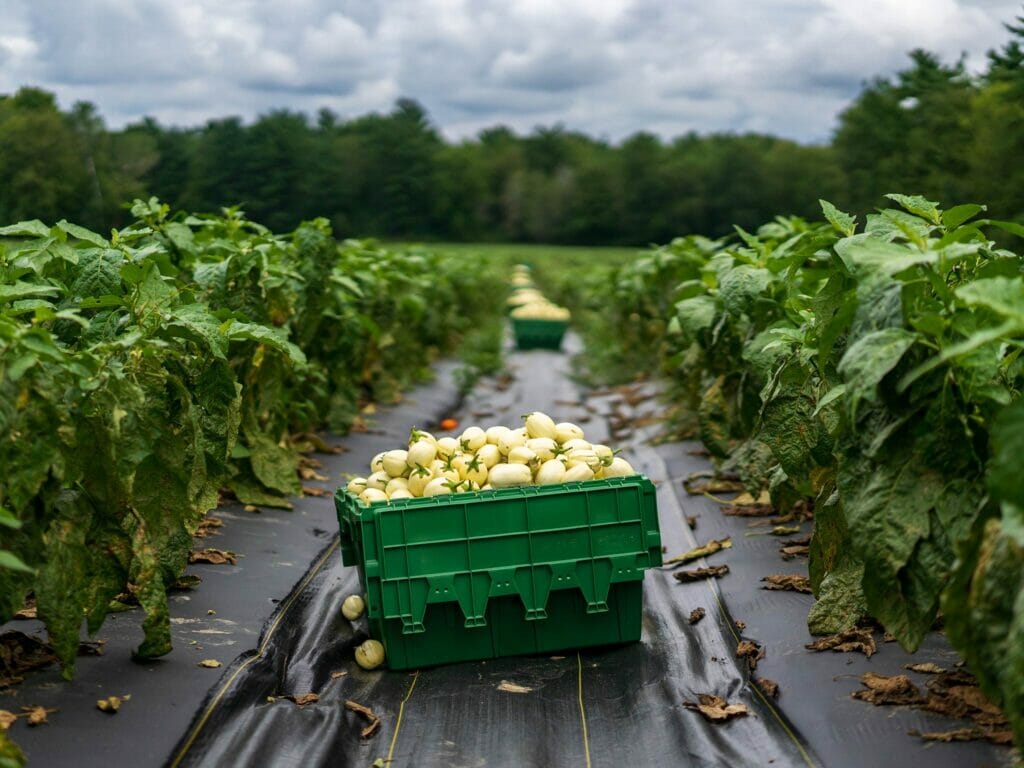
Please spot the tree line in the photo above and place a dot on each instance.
(931, 129)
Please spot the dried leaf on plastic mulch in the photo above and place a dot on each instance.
(508, 687)
(309, 490)
(715, 708)
(303, 699)
(36, 715)
(213, 556)
(847, 641)
(208, 527)
(751, 651)
(111, 704)
(925, 669)
(6, 719)
(699, 574)
(887, 689)
(790, 582)
(696, 615)
(697, 486)
(20, 653)
(367, 714)
(715, 545)
(769, 687)
(794, 550)
(209, 663)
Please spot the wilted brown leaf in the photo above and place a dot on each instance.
(6, 719)
(304, 698)
(887, 689)
(91, 647)
(696, 486)
(696, 615)
(508, 687)
(20, 653)
(338, 673)
(751, 651)
(250, 508)
(740, 624)
(794, 550)
(36, 715)
(769, 687)
(715, 545)
(367, 714)
(697, 574)
(791, 582)
(187, 581)
(111, 704)
(209, 663)
(748, 510)
(927, 668)
(852, 639)
(208, 527)
(311, 490)
(213, 556)
(691, 520)
(715, 708)
(25, 614)
(307, 473)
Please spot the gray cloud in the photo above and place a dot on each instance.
(608, 67)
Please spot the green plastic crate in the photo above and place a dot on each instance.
(504, 572)
(538, 334)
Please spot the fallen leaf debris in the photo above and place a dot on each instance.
(858, 639)
(715, 709)
(373, 722)
(698, 574)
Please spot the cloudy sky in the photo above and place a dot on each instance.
(608, 67)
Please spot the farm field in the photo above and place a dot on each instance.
(851, 388)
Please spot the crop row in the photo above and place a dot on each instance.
(144, 373)
(875, 375)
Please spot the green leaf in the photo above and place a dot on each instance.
(12, 562)
(714, 419)
(1006, 480)
(984, 610)
(843, 222)
(919, 206)
(271, 337)
(8, 520)
(959, 214)
(1002, 295)
(33, 228)
(696, 314)
(865, 252)
(797, 439)
(22, 290)
(197, 323)
(968, 345)
(11, 755)
(82, 233)
(870, 359)
(841, 602)
(1007, 226)
(740, 286)
(830, 397)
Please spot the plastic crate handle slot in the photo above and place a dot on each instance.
(472, 590)
(595, 580)
(413, 595)
(534, 584)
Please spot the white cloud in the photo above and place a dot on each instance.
(608, 67)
